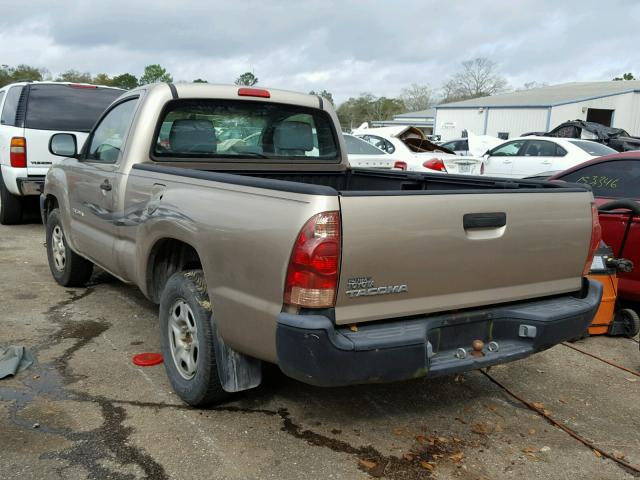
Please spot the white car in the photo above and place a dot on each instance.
(529, 156)
(364, 155)
(414, 152)
(31, 113)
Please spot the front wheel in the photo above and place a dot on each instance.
(67, 267)
(187, 341)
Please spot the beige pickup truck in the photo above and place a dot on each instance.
(236, 211)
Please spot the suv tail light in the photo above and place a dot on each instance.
(481, 168)
(400, 165)
(312, 276)
(596, 236)
(18, 152)
(435, 164)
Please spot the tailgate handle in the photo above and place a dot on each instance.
(484, 220)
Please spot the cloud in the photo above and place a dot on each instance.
(346, 47)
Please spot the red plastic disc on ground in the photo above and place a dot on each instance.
(147, 359)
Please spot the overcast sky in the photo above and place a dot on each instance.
(346, 47)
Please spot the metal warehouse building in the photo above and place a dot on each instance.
(614, 103)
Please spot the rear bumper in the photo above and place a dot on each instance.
(30, 185)
(312, 349)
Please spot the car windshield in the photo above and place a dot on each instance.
(593, 148)
(358, 146)
(67, 107)
(610, 179)
(242, 129)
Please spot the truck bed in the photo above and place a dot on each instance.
(360, 181)
(428, 233)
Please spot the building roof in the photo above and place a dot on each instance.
(428, 113)
(550, 96)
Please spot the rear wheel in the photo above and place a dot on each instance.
(629, 321)
(67, 267)
(187, 341)
(10, 206)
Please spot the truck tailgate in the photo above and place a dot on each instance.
(410, 254)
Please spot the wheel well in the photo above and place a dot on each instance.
(50, 204)
(167, 257)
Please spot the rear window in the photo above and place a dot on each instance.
(355, 146)
(593, 148)
(65, 107)
(612, 179)
(241, 130)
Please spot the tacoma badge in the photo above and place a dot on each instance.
(365, 286)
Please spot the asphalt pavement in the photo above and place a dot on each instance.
(83, 410)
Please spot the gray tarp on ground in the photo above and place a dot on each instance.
(14, 359)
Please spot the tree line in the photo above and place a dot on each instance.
(476, 78)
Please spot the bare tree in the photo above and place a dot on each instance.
(478, 78)
(417, 97)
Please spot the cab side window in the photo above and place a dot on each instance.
(543, 148)
(110, 134)
(510, 149)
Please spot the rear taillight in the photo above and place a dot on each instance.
(312, 276)
(400, 165)
(18, 152)
(254, 92)
(482, 168)
(435, 164)
(596, 236)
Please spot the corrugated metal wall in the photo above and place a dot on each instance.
(451, 122)
(516, 121)
(626, 111)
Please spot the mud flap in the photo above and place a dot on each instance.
(237, 371)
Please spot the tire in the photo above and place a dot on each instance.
(187, 343)
(630, 322)
(10, 206)
(67, 267)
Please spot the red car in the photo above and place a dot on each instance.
(616, 177)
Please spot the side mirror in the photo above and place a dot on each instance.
(63, 145)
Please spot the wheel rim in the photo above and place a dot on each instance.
(58, 248)
(183, 339)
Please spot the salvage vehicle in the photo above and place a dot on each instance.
(616, 178)
(615, 138)
(535, 156)
(339, 276)
(415, 153)
(31, 112)
(364, 155)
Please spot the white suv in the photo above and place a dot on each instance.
(31, 113)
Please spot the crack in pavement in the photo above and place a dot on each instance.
(99, 449)
(94, 450)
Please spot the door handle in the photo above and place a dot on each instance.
(506, 161)
(106, 186)
(546, 162)
(484, 220)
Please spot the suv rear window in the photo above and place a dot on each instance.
(67, 107)
(593, 148)
(244, 129)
